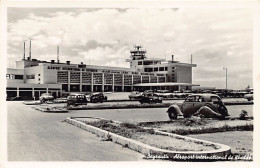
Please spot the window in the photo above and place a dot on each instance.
(155, 69)
(190, 99)
(166, 68)
(161, 69)
(140, 63)
(30, 76)
(18, 77)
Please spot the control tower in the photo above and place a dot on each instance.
(138, 53)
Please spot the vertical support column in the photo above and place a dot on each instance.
(103, 82)
(113, 83)
(17, 92)
(92, 81)
(68, 81)
(61, 92)
(32, 92)
(141, 79)
(80, 80)
(132, 87)
(123, 83)
(47, 90)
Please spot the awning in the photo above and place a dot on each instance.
(166, 84)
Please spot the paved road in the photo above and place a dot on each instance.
(37, 136)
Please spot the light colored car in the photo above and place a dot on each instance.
(203, 105)
(135, 95)
(164, 93)
(46, 97)
(249, 97)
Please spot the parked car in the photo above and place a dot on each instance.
(179, 94)
(135, 95)
(46, 97)
(150, 98)
(96, 97)
(16, 98)
(249, 97)
(203, 105)
(164, 93)
(76, 99)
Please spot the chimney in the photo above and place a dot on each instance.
(172, 58)
(58, 61)
(68, 62)
(52, 61)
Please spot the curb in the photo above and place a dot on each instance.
(148, 150)
(51, 110)
(128, 106)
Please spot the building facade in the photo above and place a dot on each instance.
(32, 77)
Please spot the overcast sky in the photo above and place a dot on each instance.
(215, 37)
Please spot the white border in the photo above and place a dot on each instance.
(254, 5)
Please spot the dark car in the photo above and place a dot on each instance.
(150, 98)
(203, 105)
(96, 97)
(76, 99)
(135, 95)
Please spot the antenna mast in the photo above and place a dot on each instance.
(23, 50)
(30, 52)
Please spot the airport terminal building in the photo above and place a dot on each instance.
(32, 77)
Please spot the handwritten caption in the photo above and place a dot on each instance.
(247, 157)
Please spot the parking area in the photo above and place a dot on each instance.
(39, 136)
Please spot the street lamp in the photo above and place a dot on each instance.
(226, 76)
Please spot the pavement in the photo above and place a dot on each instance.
(38, 136)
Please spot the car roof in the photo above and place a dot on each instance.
(76, 94)
(204, 95)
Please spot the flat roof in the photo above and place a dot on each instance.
(166, 84)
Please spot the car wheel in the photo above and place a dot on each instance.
(172, 114)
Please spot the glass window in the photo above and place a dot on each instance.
(140, 63)
(166, 68)
(190, 99)
(161, 69)
(155, 69)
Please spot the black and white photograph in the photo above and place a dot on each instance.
(139, 82)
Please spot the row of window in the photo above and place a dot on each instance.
(155, 69)
(12, 76)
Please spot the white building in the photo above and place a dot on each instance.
(32, 77)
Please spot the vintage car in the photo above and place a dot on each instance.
(150, 98)
(76, 99)
(203, 105)
(96, 97)
(135, 95)
(249, 97)
(46, 97)
(164, 93)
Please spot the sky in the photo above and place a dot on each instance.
(215, 37)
